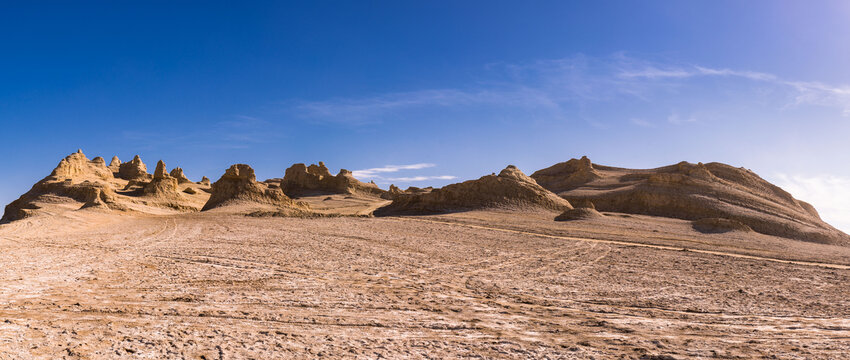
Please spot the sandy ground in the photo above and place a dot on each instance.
(476, 285)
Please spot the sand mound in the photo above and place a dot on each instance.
(177, 173)
(239, 185)
(300, 179)
(134, 170)
(579, 214)
(510, 189)
(691, 192)
(75, 179)
(719, 225)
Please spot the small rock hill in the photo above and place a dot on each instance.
(300, 180)
(134, 170)
(78, 183)
(510, 189)
(162, 185)
(115, 164)
(691, 192)
(75, 179)
(239, 185)
(177, 173)
(584, 210)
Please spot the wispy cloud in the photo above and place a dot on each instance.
(562, 89)
(376, 173)
(641, 123)
(676, 119)
(373, 172)
(802, 92)
(419, 178)
(830, 195)
(235, 132)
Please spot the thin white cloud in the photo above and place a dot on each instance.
(378, 174)
(551, 88)
(655, 73)
(373, 172)
(418, 178)
(641, 123)
(675, 119)
(829, 194)
(803, 92)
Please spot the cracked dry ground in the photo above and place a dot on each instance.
(223, 287)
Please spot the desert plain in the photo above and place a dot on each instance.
(328, 274)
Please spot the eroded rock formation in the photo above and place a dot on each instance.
(300, 179)
(177, 173)
(691, 192)
(134, 170)
(162, 185)
(510, 189)
(239, 185)
(74, 180)
(115, 164)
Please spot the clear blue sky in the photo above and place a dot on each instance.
(464, 88)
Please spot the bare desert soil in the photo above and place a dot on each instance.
(483, 284)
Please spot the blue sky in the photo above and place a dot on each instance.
(429, 93)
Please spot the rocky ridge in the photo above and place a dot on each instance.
(300, 179)
(239, 185)
(691, 192)
(510, 189)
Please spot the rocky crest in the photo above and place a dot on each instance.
(239, 185)
(510, 189)
(177, 173)
(691, 192)
(115, 164)
(162, 185)
(134, 170)
(300, 179)
(75, 179)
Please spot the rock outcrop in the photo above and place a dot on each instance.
(239, 185)
(162, 185)
(567, 175)
(392, 192)
(74, 180)
(510, 189)
(691, 192)
(300, 180)
(204, 181)
(583, 210)
(719, 225)
(115, 164)
(134, 170)
(177, 173)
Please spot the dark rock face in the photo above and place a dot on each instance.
(691, 192)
